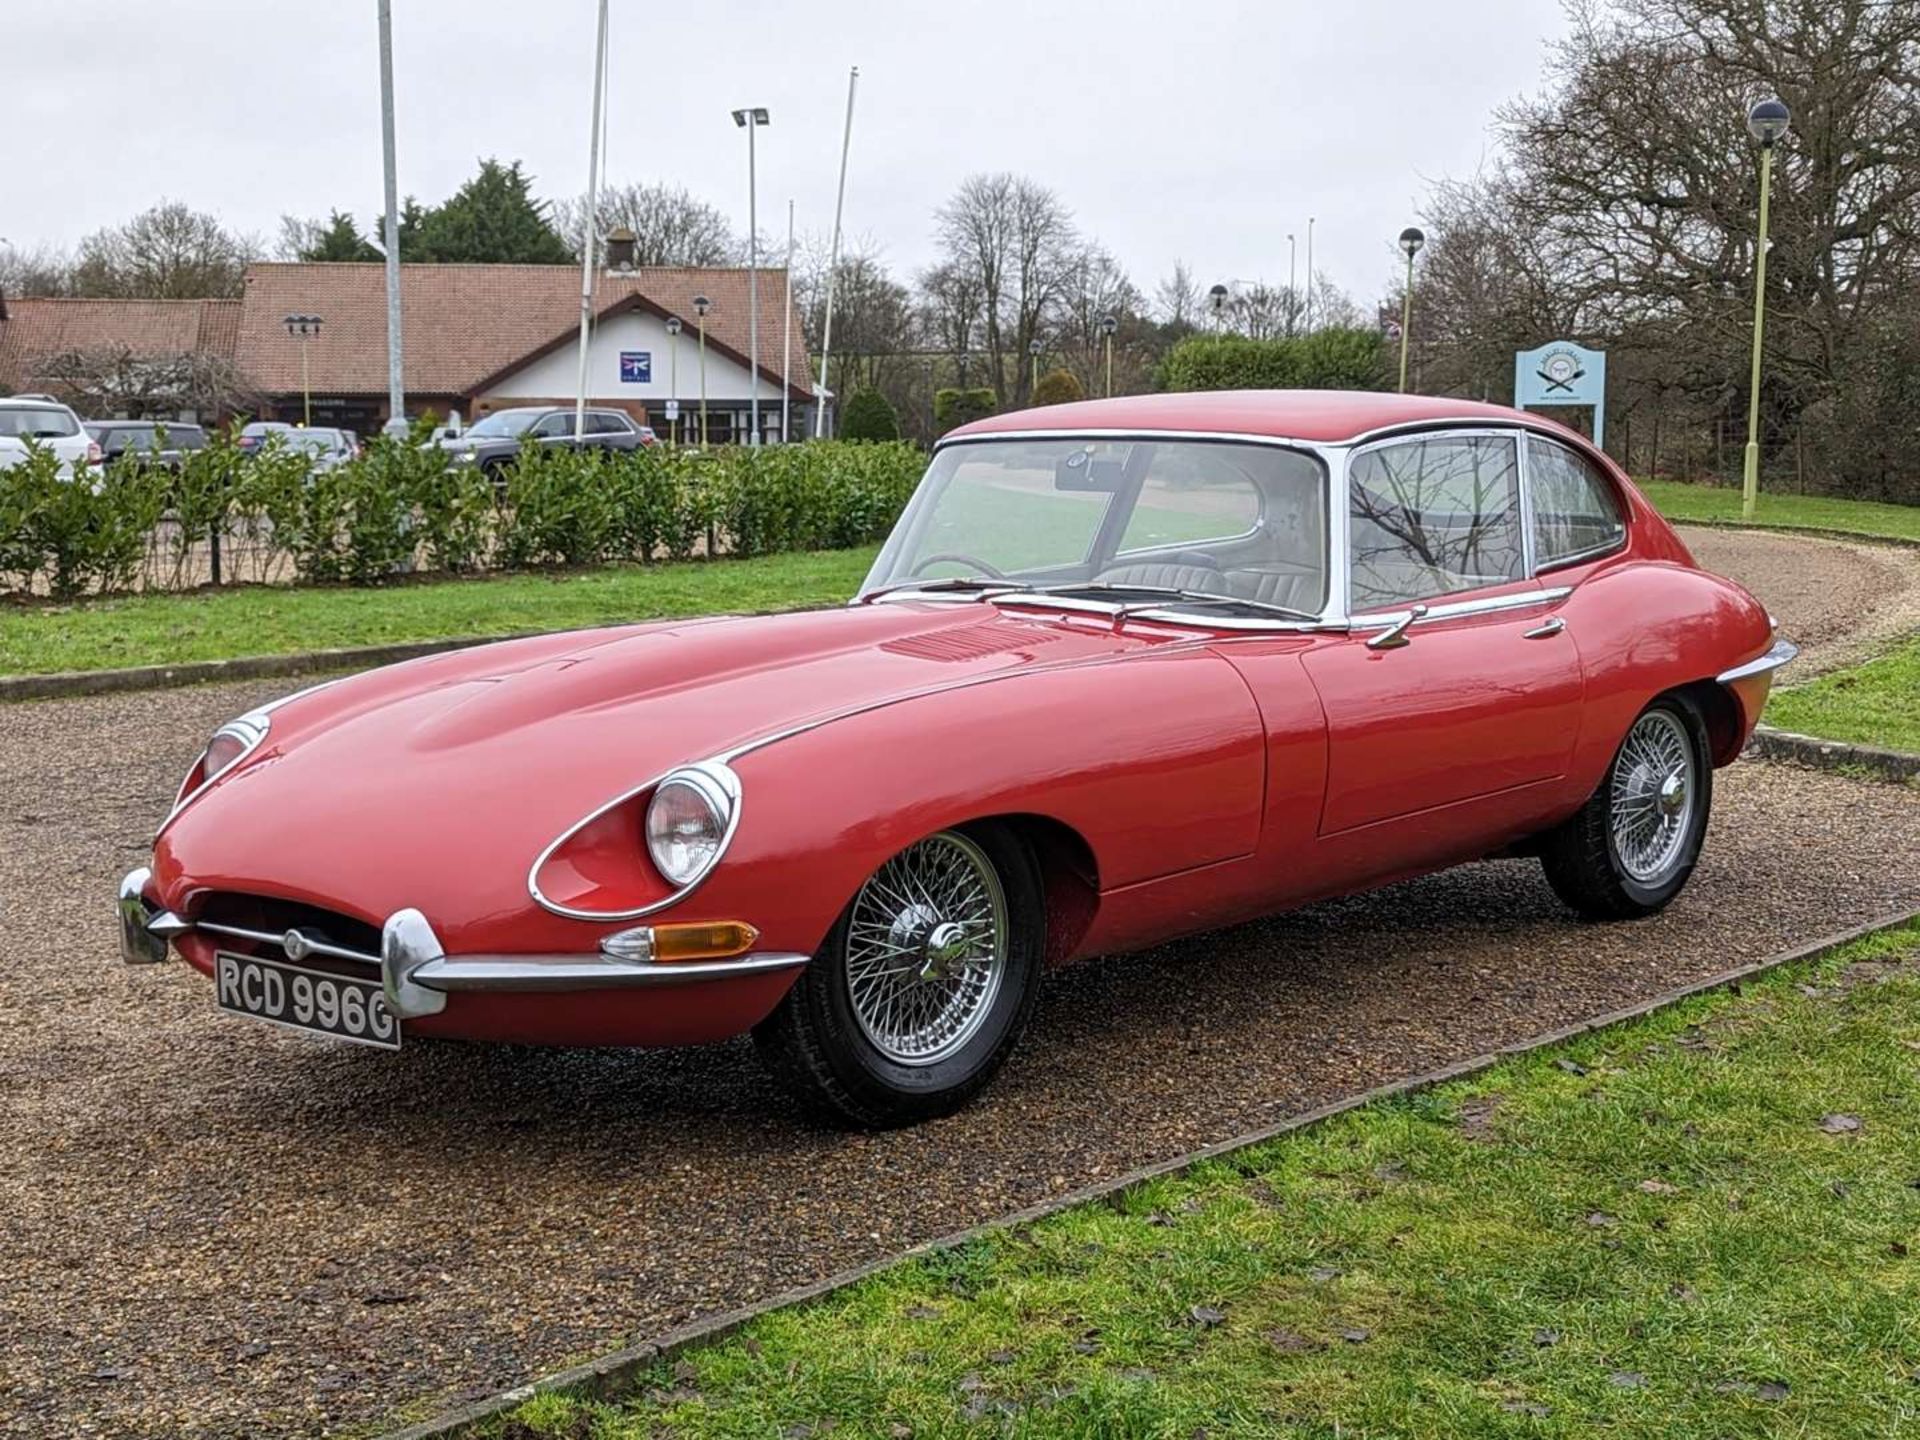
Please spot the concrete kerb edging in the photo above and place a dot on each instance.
(66, 684)
(1819, 532)
(611, 1375)
(1894, 765)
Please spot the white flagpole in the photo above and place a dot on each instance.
(591, 223)
(786, 341)
(833, 263)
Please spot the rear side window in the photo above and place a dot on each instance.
(1433, 517)
(605, 422)
(1574, 511)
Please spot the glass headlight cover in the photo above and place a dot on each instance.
(688, 822)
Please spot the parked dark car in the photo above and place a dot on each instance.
(492, 441)
(253, 436)
(160, 442)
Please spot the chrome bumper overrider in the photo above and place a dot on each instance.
(415, 970)
(1777, 655)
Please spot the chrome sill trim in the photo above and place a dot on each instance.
(1778, 654)
(524, 974)
(1453, 610)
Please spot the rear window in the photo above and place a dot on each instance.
(37, 422)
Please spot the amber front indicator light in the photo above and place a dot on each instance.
(715, 940)
(691, 940)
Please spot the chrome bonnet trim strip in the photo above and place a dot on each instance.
(1778, 654)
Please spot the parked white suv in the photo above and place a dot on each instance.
(45, 422)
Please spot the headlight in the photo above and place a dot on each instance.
(231, 744)
(688, 822)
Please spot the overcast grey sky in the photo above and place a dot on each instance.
(1203, 129)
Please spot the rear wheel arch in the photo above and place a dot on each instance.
(1720, 713)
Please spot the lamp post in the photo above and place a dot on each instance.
(1309, 274)
(1033, 350)
(1767, 122)
(1411, 239)
(1109, 324)
(303, 328)
(1290, 290)
(700, 304)
(1217, 297)
(750, 120)
(673, 384)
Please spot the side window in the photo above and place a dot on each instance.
(605, 422)
(1433, 517)
(1574, 512)
(551, 427)
(1191, 494)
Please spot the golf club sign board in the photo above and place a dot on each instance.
(1563, 373)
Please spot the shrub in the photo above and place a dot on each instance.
(78, 528)
(1057, 387)
(558, 510)
(869, 417)
(953, 408)
(1339, 359)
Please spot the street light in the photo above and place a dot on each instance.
(1109, 324)
(303, 328)
(1033, 348)
(1411, 239)
(700, 304)
(1291, 292)
(750, 120)
(673, 385)
(1218, 295)
(1767, 122)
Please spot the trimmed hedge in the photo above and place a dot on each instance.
(1325, 360)
(1058, 387)
(953, 408)
(869, 416)
(400, 507)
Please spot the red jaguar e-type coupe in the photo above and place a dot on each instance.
(1125, 670)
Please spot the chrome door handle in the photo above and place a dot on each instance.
(1545, 630)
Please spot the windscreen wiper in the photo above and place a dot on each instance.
(1170, 592)
(982, 583)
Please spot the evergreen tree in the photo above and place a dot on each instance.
(339, 239)
(492, 219)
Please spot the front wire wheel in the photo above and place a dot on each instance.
(1632, 846)
(923, 986)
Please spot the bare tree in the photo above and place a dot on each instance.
(38, 272)
(1179, 303)
(670, 225)
(1015, 241)
(116, 380)
(167, 253)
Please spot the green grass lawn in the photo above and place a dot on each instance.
(267, 620)
(1706, 1223)
(1682, 502)
(1875, 703)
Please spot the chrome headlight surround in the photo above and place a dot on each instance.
(713, 780)
(714, 790)
(249, 731)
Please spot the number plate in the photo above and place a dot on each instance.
(281, 994)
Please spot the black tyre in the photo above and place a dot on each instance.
(1632, 846)
(923, 986)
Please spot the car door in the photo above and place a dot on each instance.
(554, 429)
(1453, 703)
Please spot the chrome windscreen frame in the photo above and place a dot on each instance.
(1332, 459)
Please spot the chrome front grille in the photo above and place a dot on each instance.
(286, 930)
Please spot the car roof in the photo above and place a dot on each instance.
(1328, 417)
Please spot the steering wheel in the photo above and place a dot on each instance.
(954, 557)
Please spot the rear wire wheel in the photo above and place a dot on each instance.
(923, 986)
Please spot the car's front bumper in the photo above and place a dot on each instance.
(417, 974)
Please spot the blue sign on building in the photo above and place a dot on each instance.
(1562, 373)
(636, 367)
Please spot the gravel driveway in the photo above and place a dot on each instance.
(214, 1228)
